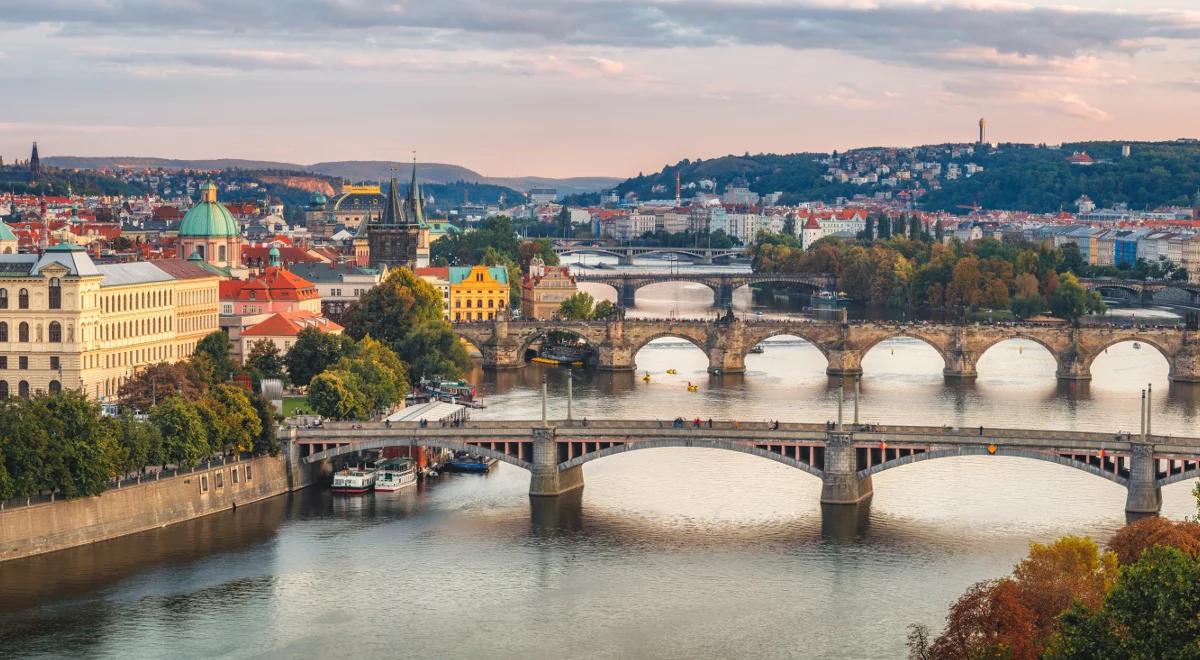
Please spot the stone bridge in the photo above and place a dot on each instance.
(843, 457)
(625, 254)
(1144, 290)
(616, 342)
(722, 284)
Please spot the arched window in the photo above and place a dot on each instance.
(55, 332)
(55, 386)
(23, 389)
(23, 299)
(3, 298)
(221, 253)
(3, 331)
(23, 332)
(55, 293)
(3, 390)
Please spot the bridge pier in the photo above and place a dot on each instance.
(960, 364)
(726, 361)
(546, 480)
(844, 362)
(841, 483)
(1185, 367)
(724, 296)
(627, 294)
(1074, 368)
(612, 357)
(626, 259)
(1143, 493)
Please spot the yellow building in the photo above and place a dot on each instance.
(67, 323)
(478, 293)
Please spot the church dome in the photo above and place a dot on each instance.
(208, 218)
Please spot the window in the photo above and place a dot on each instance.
(55, 332)
(249, 474)
(221, 253)
(55, 293)
(23, 389)
(3, 331)
(23, 362)
(219, 479)
(3, 361)
(3, 390)
(204, 483)
(55, 362)
(23, 332)
(55, 386)
(234, 474)
(23, 299)
(3, 298)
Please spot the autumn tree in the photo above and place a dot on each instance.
(1135, 538)
(987, 621)
(158, 381)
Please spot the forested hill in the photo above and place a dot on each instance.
(1014, 176)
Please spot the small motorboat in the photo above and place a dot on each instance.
(758, 348)
(1137, 346)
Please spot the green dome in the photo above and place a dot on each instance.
(6, 232)
(208, 218)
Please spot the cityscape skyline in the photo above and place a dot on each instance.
(590, 89)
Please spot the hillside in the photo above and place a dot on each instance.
(353, 170)
(1014, 176)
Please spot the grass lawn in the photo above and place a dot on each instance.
(291, 403)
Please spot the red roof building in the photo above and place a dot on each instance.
(282, 328)
(275, 290)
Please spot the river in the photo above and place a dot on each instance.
(671, 553)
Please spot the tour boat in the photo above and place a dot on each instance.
(353, 480)
(465, 462)
(395, 474)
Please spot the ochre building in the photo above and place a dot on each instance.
(66, 323)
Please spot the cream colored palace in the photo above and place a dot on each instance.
(66, 323)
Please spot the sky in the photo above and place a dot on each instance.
(584, 87)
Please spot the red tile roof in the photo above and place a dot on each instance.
(289, 324)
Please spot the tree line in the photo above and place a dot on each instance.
(1023, 278)
(172, 414)
(1140, 598)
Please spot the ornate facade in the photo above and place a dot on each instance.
(399, 238)
(544, 288)
(66, 323)
(209, 230)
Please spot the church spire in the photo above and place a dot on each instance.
(393, 212)
(416, 201)
(35, 164)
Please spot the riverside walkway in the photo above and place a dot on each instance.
(844, 456)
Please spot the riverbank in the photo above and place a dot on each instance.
(52, 526)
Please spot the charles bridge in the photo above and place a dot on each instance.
(504, 344)
(844, 457)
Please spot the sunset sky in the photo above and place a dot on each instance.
(587, 87)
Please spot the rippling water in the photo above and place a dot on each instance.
(673, 553)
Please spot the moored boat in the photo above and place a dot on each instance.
(353, 481)
(395, 474)
(465, 462)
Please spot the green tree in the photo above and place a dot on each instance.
(432, 349)
(377, 373)
(605, 309)
(263, 360)
(266, 443)
(84, 445)
(313, 352)
(211, 356)
(184, 435)
(1152, 612)
(142, 444)
(577, 307)
(331, 394)
(233, 422)
(789, 225)
(1070, 300)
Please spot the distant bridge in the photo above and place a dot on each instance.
(1144, 290)
(843, 457)
(616, 342)
(722, 284)
(625, 254)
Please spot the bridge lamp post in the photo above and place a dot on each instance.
(841, 402)
(857, 394)
(545, 421)
(570, 392)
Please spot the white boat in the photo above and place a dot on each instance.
(354, 480)
(395, 474)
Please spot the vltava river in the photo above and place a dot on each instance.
(672, 553)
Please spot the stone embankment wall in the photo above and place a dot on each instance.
(54, 526)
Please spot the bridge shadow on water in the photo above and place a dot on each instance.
(845, 524)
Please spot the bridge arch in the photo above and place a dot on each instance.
(928, 341)
(381, 443)
(639, 286)
(695, 443)
(1182, 476)
(981, 450)
(1049, 349)
(543, 332)
(642, 342)
(589, 250)
(1167, 355)
(758, 338)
